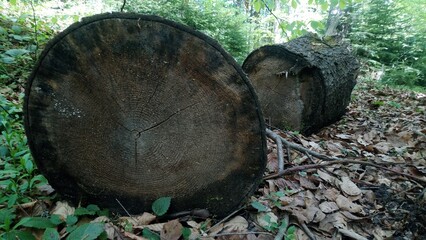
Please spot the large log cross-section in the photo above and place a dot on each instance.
(131, 108)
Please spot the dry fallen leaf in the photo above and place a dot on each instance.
(172, 230)
(145, 218)
(348, 187)
(62, 209)
(306, 183)
(264, 219)
(345, 204)
(328, 207)
(313, 214)
(331, 221)
(236, 224)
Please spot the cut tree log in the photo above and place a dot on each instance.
(303, 85)
(127, 108)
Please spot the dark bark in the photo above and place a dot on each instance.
(304, 84)
(133, 108)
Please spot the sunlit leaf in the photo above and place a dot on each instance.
(260, 207)
(257, 5)
(342, 4)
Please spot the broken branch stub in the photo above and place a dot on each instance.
(129, 108)
(303, 85)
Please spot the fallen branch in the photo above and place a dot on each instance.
(307, 231)
(343, 161)
(236, 233)
(278, 141)
(309, 153)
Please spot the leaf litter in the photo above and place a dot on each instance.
(354, 200)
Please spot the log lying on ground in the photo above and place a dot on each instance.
(131, 108)
(304, 84)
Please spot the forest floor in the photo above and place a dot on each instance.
(368, 183)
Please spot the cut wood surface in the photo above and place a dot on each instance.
(304, 84)
(131, 108)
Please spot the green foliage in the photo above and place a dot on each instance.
(161, 205)
(50, 225)
(385, 31)
(217, 19)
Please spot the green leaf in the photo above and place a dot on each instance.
(15, 52)
(71, 220)
(260, 207)
(92, 207)
(7, 213)
(334, 3)
(12, 2)
(83, 211)
(294, 4)
(50, 234)
(161, 205)
(3, 151)
(12, 200)
(342, 4)
(7, 60)
(16, 29)
(35, 222)
(146, 233)
(257, 5)
(18, 234)
(186, 232)
(56, 219)
(291, 229)
(87, 231)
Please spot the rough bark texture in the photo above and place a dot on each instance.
(134, 107)
(304, 84)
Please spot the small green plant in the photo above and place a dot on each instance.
(51, 224)
(161, 206)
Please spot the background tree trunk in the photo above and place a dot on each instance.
(304, 84)
(133, 108)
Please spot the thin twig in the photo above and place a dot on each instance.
(224, 219)
(279, 143)
(305, 150)
(276, 18)
(128, 214)
(343, 161)
(35, 29)
(122, 6)
(236, 233)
